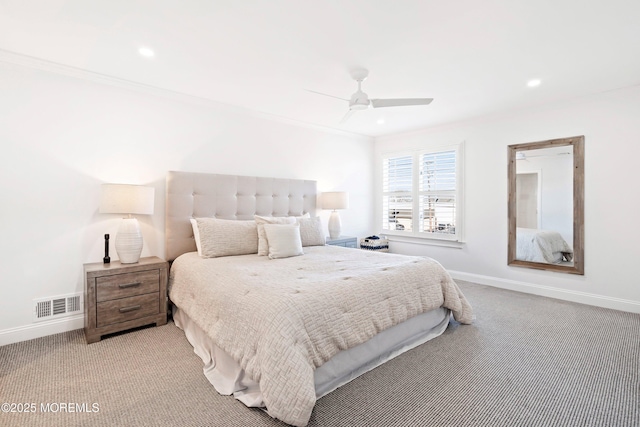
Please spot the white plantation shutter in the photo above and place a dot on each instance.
(397, 193)
(420, 194)
(437, 192)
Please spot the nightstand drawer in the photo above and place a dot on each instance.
(127, 285)
(121, 310)
(120, 296)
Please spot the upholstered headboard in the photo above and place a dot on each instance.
(190, 195)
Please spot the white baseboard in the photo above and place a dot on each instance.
(41, 329)
(551, 292)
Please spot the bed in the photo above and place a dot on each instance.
(280, 331)
(544, 246)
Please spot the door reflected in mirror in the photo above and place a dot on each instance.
(545, 205)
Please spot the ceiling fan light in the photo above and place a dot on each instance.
(359, 101)
(358, 106)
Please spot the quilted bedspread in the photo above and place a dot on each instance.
(281, 319)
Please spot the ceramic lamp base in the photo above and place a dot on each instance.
(334, 225)
(129, 241)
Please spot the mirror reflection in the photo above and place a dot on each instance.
(546, 205)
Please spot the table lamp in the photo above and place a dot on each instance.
(127, 199)
(335, 200)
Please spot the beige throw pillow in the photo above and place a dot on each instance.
(225, 237)
(311, 232)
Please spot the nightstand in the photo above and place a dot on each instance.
(346, 241)
(119, 296)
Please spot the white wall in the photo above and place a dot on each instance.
(611, 125)
(62, 137)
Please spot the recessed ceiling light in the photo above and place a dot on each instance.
(145, 51)
(534, 82)
(380, 121)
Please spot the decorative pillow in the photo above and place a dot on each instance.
(311, 232)
(196, 234)
(225, 237)
(284, 240)
(263, 244)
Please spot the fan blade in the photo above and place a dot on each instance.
(324, 94)
(346, 116)
(377, 103)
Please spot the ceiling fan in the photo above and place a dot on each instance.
(360, 100)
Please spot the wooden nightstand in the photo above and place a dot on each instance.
(346, 241)
(124, 296)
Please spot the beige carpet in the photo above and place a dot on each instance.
(527, 361)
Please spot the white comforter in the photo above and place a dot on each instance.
(541, 246)
(280, 319)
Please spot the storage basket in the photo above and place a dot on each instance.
(374, 243)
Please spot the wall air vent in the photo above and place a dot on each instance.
(60, 306)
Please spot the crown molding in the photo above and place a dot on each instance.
(82, 74)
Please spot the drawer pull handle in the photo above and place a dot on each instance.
(128, 309)
(129, 285)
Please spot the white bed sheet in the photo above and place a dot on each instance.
(229, 378)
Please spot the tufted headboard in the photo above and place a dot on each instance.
(190, 195)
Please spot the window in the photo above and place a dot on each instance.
(421, 194)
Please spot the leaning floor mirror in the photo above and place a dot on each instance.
(546, 205)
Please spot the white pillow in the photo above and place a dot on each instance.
(311, 232)
(225, 237)
(263, 244)
(284, 240)
(196, 234)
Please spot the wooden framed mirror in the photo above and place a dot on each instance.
(546, 205)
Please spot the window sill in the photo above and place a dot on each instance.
(424, 241)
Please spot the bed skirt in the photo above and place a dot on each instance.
(228, 378)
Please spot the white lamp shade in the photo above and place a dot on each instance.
(335, 200)
(127, 199)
